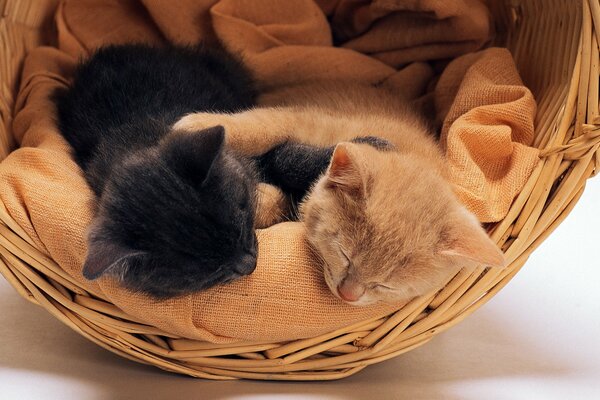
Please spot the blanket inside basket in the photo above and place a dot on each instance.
(486, 112)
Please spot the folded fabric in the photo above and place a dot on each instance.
(398, 32)
(488, 117)
(283, 42)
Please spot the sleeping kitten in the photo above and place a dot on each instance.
(175, 211)
(384, 220)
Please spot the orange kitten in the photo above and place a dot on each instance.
(385, 222)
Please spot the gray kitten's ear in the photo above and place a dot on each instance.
(344, 170)
(106, 256)
(193, 154)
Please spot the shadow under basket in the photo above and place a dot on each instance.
(555, 46)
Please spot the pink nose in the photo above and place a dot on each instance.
(350, 291)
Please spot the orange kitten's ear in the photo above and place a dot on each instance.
(343, 171)
(467, 239)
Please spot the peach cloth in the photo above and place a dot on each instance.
(487, 130)
(283, 42)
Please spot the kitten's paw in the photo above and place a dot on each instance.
(238, 132)
(250, 133)
(272, 206)
(198, 121)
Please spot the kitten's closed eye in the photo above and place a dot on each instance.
(383, 287)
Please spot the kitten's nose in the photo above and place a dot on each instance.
(246, 264)
(350, 291)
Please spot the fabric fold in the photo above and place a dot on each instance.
(488, 117)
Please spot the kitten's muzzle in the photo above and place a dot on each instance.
(246, 264)
(350, 291)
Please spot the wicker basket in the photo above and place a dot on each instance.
(555, 45)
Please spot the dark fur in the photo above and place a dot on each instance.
(295, 167)
(175, 211)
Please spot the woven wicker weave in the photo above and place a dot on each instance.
(555, 45)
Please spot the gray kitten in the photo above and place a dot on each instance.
(175, 210)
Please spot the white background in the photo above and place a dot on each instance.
(539, 338)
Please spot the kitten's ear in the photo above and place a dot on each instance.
(468, 240)
(344, 171)
(105, 255)
(193, 154)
